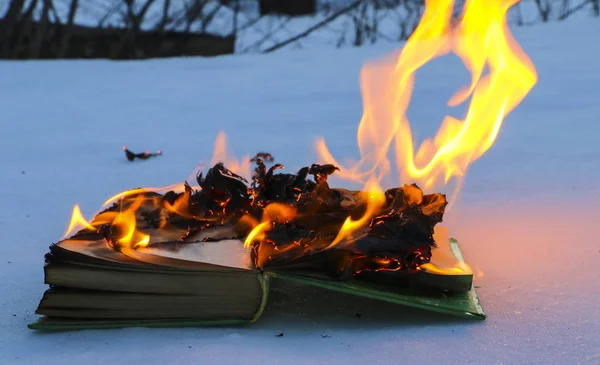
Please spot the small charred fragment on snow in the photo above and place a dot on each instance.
(131, 156)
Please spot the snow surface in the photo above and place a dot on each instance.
(527, 221)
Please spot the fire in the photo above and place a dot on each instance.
(123, 222)
(77, 222)
(480, 38)
(180, 206)
(375, 199)
(220, 154)
(460, 268)
(274, 212)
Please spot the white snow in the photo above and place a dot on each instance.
(527, 220)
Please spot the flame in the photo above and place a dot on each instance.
(220, 154)
(501, 76)
(459, 268)
(257, 233)
(77, 222)
(124, 221)
(375, 200)
(180, 206)
(480, 38)
(274, 212)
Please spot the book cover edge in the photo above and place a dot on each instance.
(263, 278)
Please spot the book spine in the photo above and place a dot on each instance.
(264, 280)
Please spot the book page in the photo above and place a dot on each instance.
(229, 252)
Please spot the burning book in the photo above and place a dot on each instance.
(204, 254)
(178, 258)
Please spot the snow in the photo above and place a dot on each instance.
(527, 220)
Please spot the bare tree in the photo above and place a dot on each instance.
(519, 13)
(133, 22)
(6, 27)
(236, 12)
(36, 43)
(133, 19)
(68, 28)
(319, 25)
(26, 28)
(544, 8)
(165, 16)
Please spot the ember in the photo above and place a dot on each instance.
(297, 220)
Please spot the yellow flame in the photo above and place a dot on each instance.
(143, 242)
(180, 206)
(124, 220)
(375, 201)
(480, 38)
(274, 212)
(257, 233)
(78, 222)
(459, 269)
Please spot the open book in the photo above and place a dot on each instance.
(214, 283)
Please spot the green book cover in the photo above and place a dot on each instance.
(462, 303)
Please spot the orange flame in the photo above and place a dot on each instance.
(124, 221)
(375, 200)
(77, 222)
(180, 206)
(480, 38)
(459, 269)
(274, 212)
(220, 154)
(131, 201)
